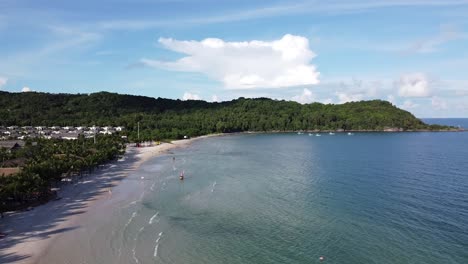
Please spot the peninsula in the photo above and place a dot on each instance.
(160, 118)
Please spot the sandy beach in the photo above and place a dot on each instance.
(29, 233)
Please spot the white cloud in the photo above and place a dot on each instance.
(305, 98)
(447, 33)
(348, 97)
(3, 81)
(408, 104)
(391, 98)
(190, 96)
(215, 98)
(438, 103)
(414, 85)
(245, 65)
(26, 90)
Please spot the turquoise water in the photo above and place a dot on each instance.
(287, 198)
(367, 198)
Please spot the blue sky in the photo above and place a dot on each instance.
(413, 53)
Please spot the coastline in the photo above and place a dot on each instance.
(30, 232)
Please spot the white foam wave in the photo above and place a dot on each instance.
(125, 228)
(156, 246)
(130, 220)
(153, 217)
(213, 187)
(156, 250)
(134, 255)
(135, 245)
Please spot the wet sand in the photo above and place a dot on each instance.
(30, 233)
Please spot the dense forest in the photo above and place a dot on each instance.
(166, 119)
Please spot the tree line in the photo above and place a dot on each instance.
(48, 161)
(170, 119)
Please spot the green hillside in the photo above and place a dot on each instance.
(166, 118)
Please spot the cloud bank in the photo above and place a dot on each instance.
(245, 65)
(26, 89)
(414, 85)
(190, 96)
(306, 97)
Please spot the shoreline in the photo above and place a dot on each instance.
(30, 232)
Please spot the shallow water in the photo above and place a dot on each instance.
(286, 198)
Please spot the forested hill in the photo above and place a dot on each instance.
(166, 118)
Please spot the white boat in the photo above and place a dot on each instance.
(310, 134)
(331, 133)
(350, 134)
(318, 135)
(299, 133)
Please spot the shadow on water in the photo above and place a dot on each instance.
(43, 221)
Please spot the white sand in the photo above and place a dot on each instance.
(30, 232)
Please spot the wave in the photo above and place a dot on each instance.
(130, 220)
(135, 245)
(152, 218)
(213, 187)
(156, 246)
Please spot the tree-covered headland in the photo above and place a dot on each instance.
(161, 118)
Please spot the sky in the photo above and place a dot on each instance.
(413, 53)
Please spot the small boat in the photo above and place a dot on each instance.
(181, 177)
(331, 133)
(318, 135)
(310, 134)
(300, 133)
(350, 134)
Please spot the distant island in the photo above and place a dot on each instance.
(161, 118)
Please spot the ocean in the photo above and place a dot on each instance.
(286, 198)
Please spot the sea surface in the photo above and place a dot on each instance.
(286, 198)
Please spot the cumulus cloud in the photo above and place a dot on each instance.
(438, 103)
(414, 85)
(215, 98)
(408, 104)
(305, 97)
(190, 96)
(348, 97)
(245, 65)
(3, 81)
(26, 90)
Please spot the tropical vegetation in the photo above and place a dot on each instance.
(170, 119)
(49, 161)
